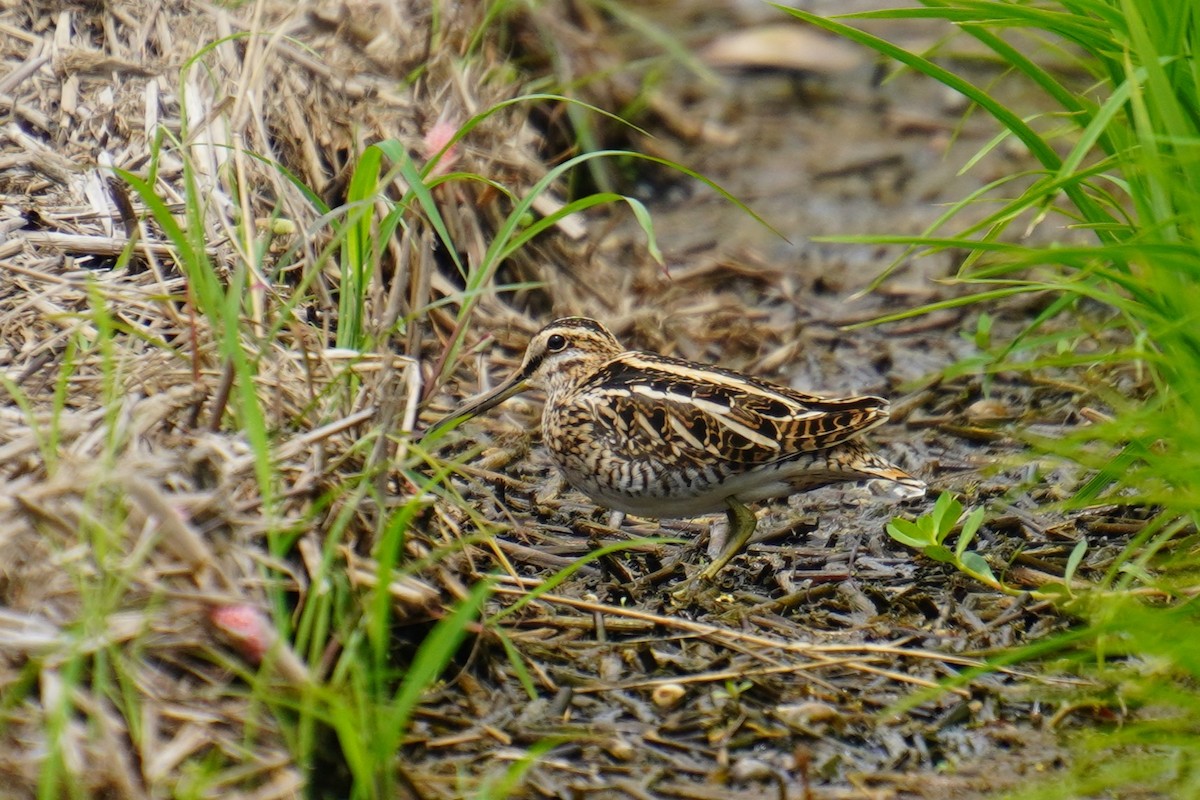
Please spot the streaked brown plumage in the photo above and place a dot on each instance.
(665, 438)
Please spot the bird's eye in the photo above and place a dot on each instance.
(556, 343)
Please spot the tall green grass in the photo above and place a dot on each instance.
(1118, 156)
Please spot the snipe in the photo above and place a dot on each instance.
(666, 438)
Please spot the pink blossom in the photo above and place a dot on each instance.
(246, 627)
(435, 139)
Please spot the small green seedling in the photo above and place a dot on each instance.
(928, 533)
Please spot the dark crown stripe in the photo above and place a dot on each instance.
(579, 323)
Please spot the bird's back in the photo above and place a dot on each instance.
(711, 413)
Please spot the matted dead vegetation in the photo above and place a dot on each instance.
(143, 536)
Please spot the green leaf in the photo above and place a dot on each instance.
(939, 553)
(1073, 561)
(977, 567)
(1136, 570)
(642, 215)
(1057, 589)
(908, 534)
(970, 527)
(945, 513)
(983, 331)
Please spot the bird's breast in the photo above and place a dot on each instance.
(619, 461)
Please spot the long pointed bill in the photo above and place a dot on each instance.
(495, 397)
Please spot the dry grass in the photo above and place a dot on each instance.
(163, 522)
(133, 504)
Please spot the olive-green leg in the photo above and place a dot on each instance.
(741, 528)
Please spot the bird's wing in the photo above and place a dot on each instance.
(711, 414)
